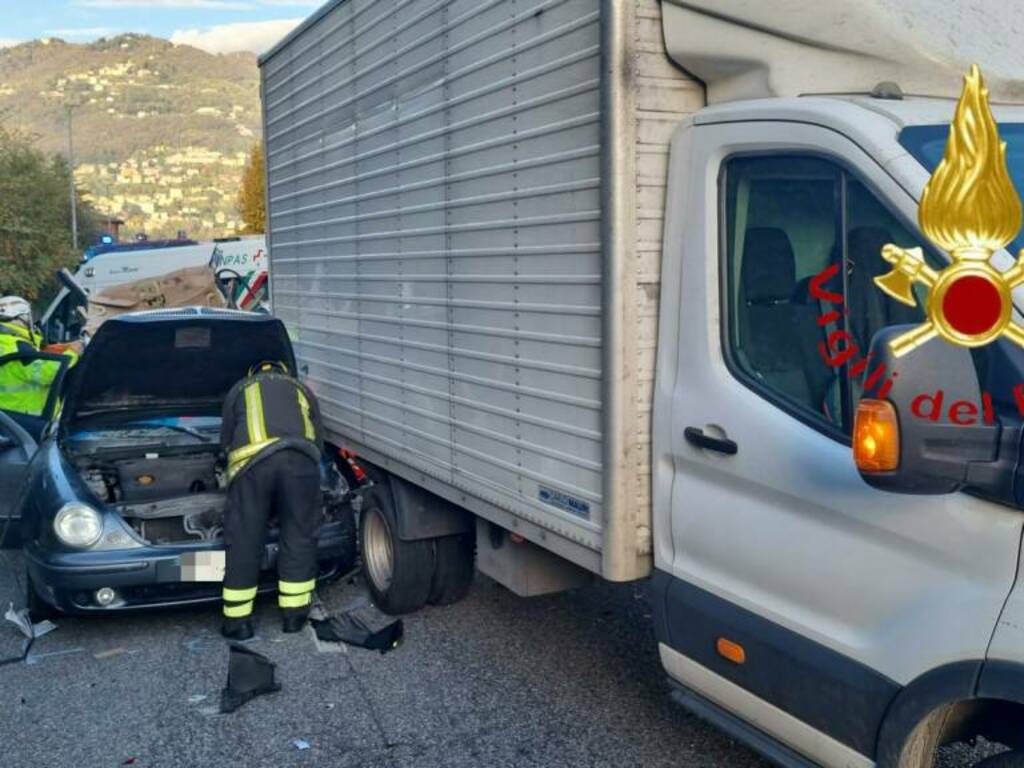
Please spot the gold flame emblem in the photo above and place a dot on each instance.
(971, 210)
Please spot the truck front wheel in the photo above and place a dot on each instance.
(399, 573)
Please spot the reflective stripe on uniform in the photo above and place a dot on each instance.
(295, 601)
(239, 595)
(239, 457)
(295, 587)
(306, 420)
(238, 611)
(254, 413)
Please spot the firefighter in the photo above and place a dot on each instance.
(24, 388)
(273, 435)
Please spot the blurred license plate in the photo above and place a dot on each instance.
(202, 566)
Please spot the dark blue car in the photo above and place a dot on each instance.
(116, 492)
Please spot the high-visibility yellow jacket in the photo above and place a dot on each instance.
(25, 386)
(265, 413)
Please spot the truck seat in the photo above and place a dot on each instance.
(769, 321)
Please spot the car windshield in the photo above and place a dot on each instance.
(175, 430)
(927, 143)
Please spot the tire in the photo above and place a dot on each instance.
(453, 568)
(1014, 759)
(38, 609)
(398, 573)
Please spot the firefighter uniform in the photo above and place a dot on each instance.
(25, 387)
(272, 433)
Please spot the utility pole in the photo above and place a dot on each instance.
(71, 173)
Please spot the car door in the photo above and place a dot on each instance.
(790, 592)
(31, 372)
(16, 450)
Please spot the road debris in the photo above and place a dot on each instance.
(300, 744)
(351, 629)
(110, 652)
(20, 618)
(35, 658)
(195, 698)
(250, 674)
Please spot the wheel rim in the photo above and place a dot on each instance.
(377, 550)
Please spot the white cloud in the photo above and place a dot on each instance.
(255, 36)
(80, 32)
(231, 5)
(7, 42)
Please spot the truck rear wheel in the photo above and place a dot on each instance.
(453, 568)
(399, 573)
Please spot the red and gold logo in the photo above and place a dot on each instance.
(970, 209)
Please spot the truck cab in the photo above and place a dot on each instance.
(835, 616)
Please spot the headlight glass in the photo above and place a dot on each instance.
(78, 525)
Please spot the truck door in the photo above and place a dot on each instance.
(790, 592)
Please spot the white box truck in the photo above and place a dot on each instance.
(560, 270)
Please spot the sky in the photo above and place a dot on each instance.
(218, 26)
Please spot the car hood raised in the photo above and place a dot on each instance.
(181, 360)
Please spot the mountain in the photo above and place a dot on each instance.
(161, 131)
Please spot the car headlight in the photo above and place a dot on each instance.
(78, 525)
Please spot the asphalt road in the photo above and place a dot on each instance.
(566, 680)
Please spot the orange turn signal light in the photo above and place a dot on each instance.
(734, 652)
(876, 436)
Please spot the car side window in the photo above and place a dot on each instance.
(798, 230)
(782, 228)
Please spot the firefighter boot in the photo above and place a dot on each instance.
(237, 629)
(293, 620)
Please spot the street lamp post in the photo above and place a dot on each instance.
(71, 173)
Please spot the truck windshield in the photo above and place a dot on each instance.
(927, 143)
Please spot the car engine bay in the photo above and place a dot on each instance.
(166, 499)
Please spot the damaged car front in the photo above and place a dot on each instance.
(123, 502)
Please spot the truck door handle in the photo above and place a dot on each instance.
(696, 436)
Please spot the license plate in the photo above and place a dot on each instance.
(202, 566)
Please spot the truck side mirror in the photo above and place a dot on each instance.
(932, 432)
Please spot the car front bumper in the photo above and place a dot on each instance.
(150, 577)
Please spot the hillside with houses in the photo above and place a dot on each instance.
(160, 131)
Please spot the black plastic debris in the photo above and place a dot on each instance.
(250, 674)
(354, 631)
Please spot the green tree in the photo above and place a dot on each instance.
(35, 218)
(252, 201)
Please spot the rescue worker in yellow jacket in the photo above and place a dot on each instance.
(24, 387)
(273, 435)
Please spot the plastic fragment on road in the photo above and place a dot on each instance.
(20, 619)
(195, 698)
(110, 652)
(250, 674)
(44, 627)
(300, 744)
(350, 629)
(35, 658)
